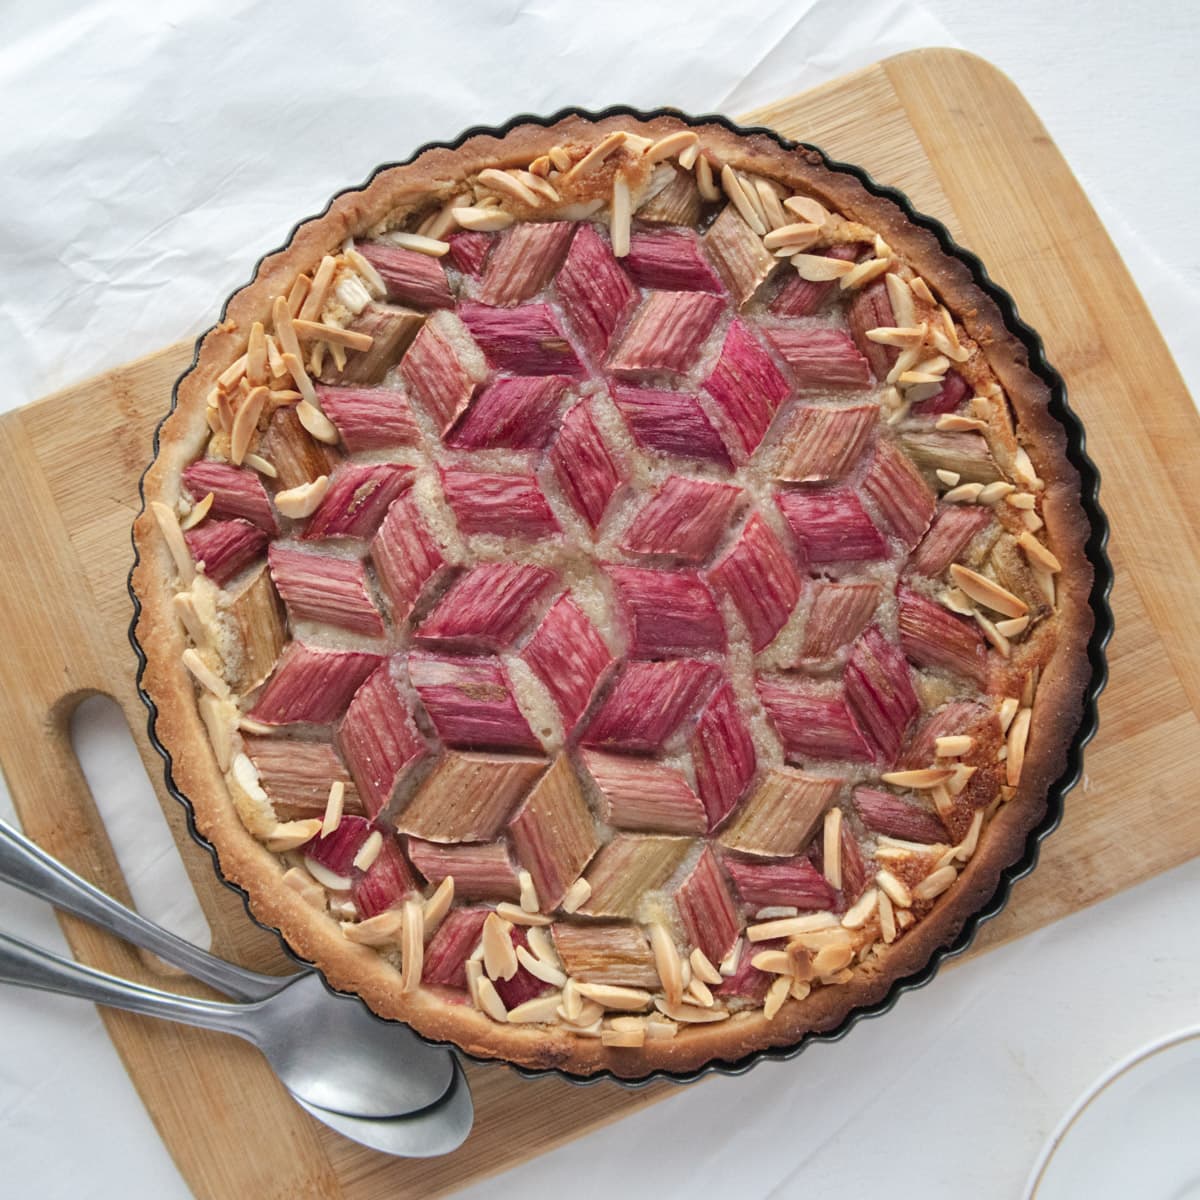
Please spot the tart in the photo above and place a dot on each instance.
(614, 594)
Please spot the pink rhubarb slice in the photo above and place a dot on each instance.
(948, 536)
(880, 694)
(802, 298)
(524, 985)
(872, 309)
(358, 497)
(825, 443)
(901, 494)
(813, 722)
(469, 250)
(819, 359)
(670, 423)
(442, 369)
(223, 549)
(386, 884)
(584, 466)
(954, 390)
(647, 703)
(706, 908)
(782, 813)
(418, 280)
(321, 587)
(486, 608)
(370, 418)
(524, 261)
(666, 333)
(723, 754)
(685, 519)
(527, 340)
(789, 881)
(889, 814)
(236, 492)
(627, 867)
(746, 387)
(831, 525)
(839, 613)
(470, 702)
(643, 795)
(670, 260)
(594, 292)
(667, 612)
(739, 254)
(956, 717)
(932, 636)
(337, 850)
(312, 684)
(490, 502)
(515, 413)
(569, 656)
(406, 557)
(445, 962)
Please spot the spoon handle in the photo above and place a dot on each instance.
(27, 866)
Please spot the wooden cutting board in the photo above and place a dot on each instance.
(953, 133)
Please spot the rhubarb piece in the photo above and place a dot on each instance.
(748, 980)
(760, 578)
(854, 869)
(569, 656)
(667, 612)
(628, 867)
(387, 883)
(677, 203)
(839, 613)
(812, 723)
(782, 813)
(442, 368)
(957, 717)
(666, 333)
(594, 292)
(747, 388)
(486, 608)
(406, 558)
(933, 636)
(523, 985)
(379, 740)
(524, 261)
(470, 702)
(966, 454)
(585, 469)
(617, 954)
(948, 536)
(489, 502)
(900, 493)
(801, 297)
(392, 331)
(670, 260)
(647, 703)
(515, 413)
(312, 684)
(297, 774)
(831, 525)
(413, 279)
(723, 754)
(870, 308)
(260, 629)
(320, 587)
(236, 492)
(638, 794)
(685, 518)
(469, 251)
(527, 340)
(820, 359)
(948, 399)
(553, 833)
(481, 872)
(336, 851)
(359, 494)
(223, 549)
(670, 423)
(789, 881)
(880, 694)
(297, 456)
(448, 950)
(370, 418)
(744, 263)
(885, 813)
(825, 443)
(706, 908)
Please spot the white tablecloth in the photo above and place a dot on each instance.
(148, 154)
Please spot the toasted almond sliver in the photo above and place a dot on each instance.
(949, 478)
(245, 422)
(529, 896)
(610, 995)
(559, 158)
(233, 373)
(322, 281)
(964, 493)
(921, 290)
(966, 847)
(985, 592)
(997, 640)
(666, 959)
(887, 918)
(1018, 736)
(831, 846)
(690, 1014)
(302, 500)
(371, 277)
(434, 247)
(623, 1038)
(597, 154)
(672, 145)
(698, 992)
(333, 334)
(438, 905)
(383, 929)
(993, 493)
(799, 233)
(540, 1010)
(739, 196)
(290, 835)
(499, 954)
(1013, 626)
(703, 968)
(831, 959)
(863, 909)
(953, 423)
(197, 512)
(790, 926)
(220, 719)
(168, 523)
(516, 915)
(922, 777)
(777, 993)
(895, 889)
(1038, 554)
(773, 962)
(953, 746)
(621, 215)
(863, 272)
(261, 465)
(317, 423)
(540, 969)
(816, 268)
(729, 964)
(369, 851)
(542, 944)
(256, 355)
(204, 674)
(807, 209)
(508, 185)
(483, 220)
(305, 886)
(959, 780)
(705, 182)
(575, 895)
(772, 911)
(935, 883)
(489, 1000)
(902, 337)
(333, 808)
(572, 1001)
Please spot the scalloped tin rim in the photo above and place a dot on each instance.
(1095, 549)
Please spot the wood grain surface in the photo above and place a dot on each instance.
(955, 135)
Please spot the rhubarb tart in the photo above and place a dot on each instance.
(614, 594)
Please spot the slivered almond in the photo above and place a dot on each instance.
(807, 209)
(922, 777)
(371, 277)
(369, 851)
(1038, 555)
(800, 989)
(434, 247)
(333, 808)
(949, 478)
(690, 1014)
(621, 213)
(261, 465)
(742, 199)
(539, 1010)
(575, 895)
(798, 235)
(698, 991)
(666, 960)
(322, 281)
(289, 835)
(921, 289)
(233, 373)
(300, 377)
(334, 335)
(1029, 688)
(305, 886)
(219, 717)
(489, 1000)
(256, 355)
(529, 896)
(383, 929)
(863, 272)
(790, 927)
(482, 220)
(935, 883)
(773, 962)
(895, 889)
(597, 154)
(324, 876)
(672, 145)
(613, 996)
(768, 197)
(688, 156)
(560, 159)
(729, 964)
(275, 358)
(943, 801)
(953, 746)
(499, 954)
(509, 185)
(303, 500)
(993, 493)
(887, 918)
(831, 959)
(540, 969)
(245, 423)
(572, 1001)
(984, 591)
(816, 268)
(960, 778)
(903, 337)
(831, 846)
(705, 183)
(966, 847)
(204, 674)
(957, 601)
(537, 184)
(438, 905)
(297, 294)
(542, 945)
(777, 993)
(1013, 626)
(901, 298)
(772, 911)
(997, 640)
(202, 632)
(197, 512)
(964, 493)
(862, 910)
(659, 1027)
(703, 968)
(518, 916)
(623, 1038)
(953, 423)
(1018, 736)
(317, 423)
(168, 524)
(1025, 501)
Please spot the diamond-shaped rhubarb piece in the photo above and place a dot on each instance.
(413, 279)
(297, 456)
(358, 497)
(871, 308)
(260, 628)
(524, 261)
(723, 754)
(406, 557)
(379, 739)
(953, 392)
(647, 703)
(677, 203)
(640, 794)
(812, 721)
(491, 502)
(442, 368)
(955, 718)
(223, 549)
(790, 881)
(320, 587)
(469, 250)
(831, 525)
(820, 359)
(337, 850)
(468, 796)
(825, 443)
(782, 813)
(569, 656)
(744, 262)
(370, 418)
(470, 702)
(387, 883)
(553, 833)
(628, 867)
(481, 871)
(948, 536)
(839, 613)
(618, 954)
(670, 260)
(800, 297)
(966, 454)
(854, 869)
(667, 612)
(445, 962)
(706, 908)
(748, 980)
(527, 340)
(685, 519)
(312, 684)
(585, 468)
(670, 423)
(885, 813)
(297, 773)
(666, 333)
(486, 608)
(391, 329)
(760, 578)
(746, 387)
(515, 413)
(933, 636)
(523, 985)
(236, 492)
(594, 292)
(880, 694)
(901, 494)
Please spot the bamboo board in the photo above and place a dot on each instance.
(957, 137)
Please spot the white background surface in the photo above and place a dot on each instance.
(148, 155)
